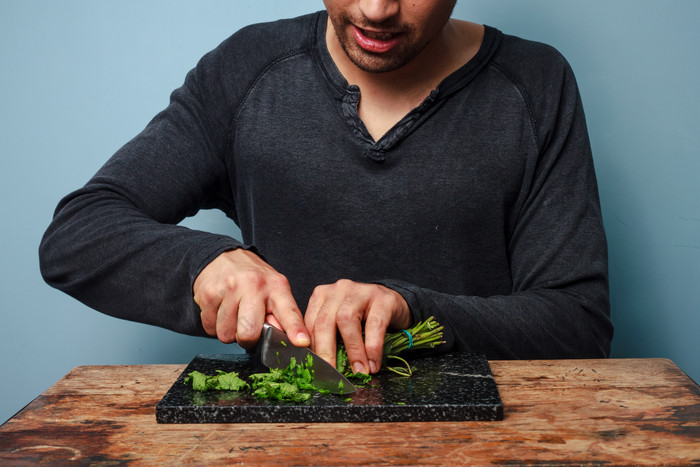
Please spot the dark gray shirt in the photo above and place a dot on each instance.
(480, 206)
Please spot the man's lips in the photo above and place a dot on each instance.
(374, 41)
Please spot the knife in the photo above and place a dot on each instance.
(276, 351)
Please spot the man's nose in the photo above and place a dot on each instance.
(378, 11)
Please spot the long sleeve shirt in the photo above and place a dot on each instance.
(480, 207)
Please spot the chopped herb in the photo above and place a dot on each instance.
(222, 381)
(359, 379)
(293, 383)
(230, 381)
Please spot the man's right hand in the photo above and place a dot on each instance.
(237, 291)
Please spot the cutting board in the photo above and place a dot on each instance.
(448, 387)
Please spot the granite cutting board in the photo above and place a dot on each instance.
(450, 387)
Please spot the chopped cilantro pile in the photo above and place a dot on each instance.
(287, 384)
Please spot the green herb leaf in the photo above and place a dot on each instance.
(230, 381)
(198, 380)
(222, 381)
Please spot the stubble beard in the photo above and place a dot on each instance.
(374, 62)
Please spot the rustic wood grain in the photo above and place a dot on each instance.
(615, 412)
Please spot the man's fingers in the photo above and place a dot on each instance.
(251, 315)
(207, 315)
(350, 327)
(226, 321)
(375, 331)
(284, 309)
(208, 322)
(347, 306)
(293, 326)
(324, 342)
(271, 320)
(312, 308)
(237, 291)
(337, 308)
(324, 328)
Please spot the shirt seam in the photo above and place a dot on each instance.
(260, 76)
(526, 102)
(249, 91)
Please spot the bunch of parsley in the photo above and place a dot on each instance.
(423, 335)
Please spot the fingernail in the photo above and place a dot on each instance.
(372, 366)
(358, 367)
(303, 339)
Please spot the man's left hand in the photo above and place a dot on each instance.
(346, 306)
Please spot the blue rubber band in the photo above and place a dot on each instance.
(410, 338)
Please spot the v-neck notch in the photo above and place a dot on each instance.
(348, 95)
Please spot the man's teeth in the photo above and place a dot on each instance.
(382, 36)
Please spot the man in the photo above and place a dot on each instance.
(385, 163)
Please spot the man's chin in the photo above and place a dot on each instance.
(376, 68)
(375, 63)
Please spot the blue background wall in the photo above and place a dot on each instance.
(79, 78)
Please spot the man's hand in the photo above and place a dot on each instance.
(346, 306)
(238, 291)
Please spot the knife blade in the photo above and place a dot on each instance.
(276, 351)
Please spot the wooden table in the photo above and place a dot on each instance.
(620, 411)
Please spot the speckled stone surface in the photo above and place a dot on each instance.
(450, 387)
